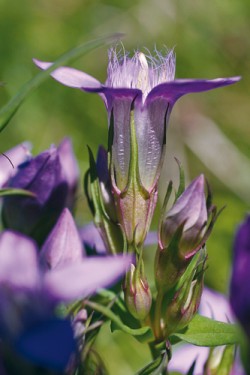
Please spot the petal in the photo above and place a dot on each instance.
(239, 288)
(70, 77)
(69, 163)
(92, 239)
(179, 87)
(184, 356)
(49, 344)
(151, 121)
(43, 176)
(120, 120)
(18, 261)
(215, 305)
(11, 159)
(63, 246)
(83, 279)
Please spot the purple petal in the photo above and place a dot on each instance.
(179, 87)
(82, 279)
(18, 261)
(150, 122)
(70, 77)
(215, 305)
(151, 239)
(102, 165)
(92, 239)
(70, 169)
(120, 117)
(239, 291)
(49, 344)
(11, 159)
(63, 246)
(43, 176)
(184, 356)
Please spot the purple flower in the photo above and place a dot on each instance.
(11, 159)
(29, 296)
(139, 95)
(51, 176)
(239, 291)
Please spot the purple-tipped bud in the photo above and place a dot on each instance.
(63, 245)
(182, 233)
(188, 213)
(44, 176)
(137, 294)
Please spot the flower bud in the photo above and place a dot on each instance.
(179, 306)
(182, 233)
(220, 361)
(189, 213)
(137, 293)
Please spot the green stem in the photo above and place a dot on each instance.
(157, 315)
(109, 314)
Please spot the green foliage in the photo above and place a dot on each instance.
(203, 331)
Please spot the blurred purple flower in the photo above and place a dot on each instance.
(239, 290)
(139, 95)
(11, 159)
(52, 177)
(213, 305)
(63, 245)
(29, 296)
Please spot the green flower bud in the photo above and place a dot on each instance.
(183, 231)
(180, 304)
(220, 360)
(137, 293)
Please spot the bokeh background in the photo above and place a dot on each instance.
(209, 132)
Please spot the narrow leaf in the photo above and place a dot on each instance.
(155, 367)
(204, 331)
(142, 334)
(8, 111)
(10, 191)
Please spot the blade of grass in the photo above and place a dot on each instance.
(8, 111)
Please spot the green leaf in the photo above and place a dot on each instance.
(155, 367)
(8, 111)
(142, 334)
(204, 331)
(10, 191)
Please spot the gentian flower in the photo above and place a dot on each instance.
(51, 176)
(29, 296)
(139, 95)
(239, 291)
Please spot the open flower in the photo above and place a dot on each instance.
(29, 296)
(52, 177)
(139, 95)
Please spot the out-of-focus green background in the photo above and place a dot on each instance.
(208, 132)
